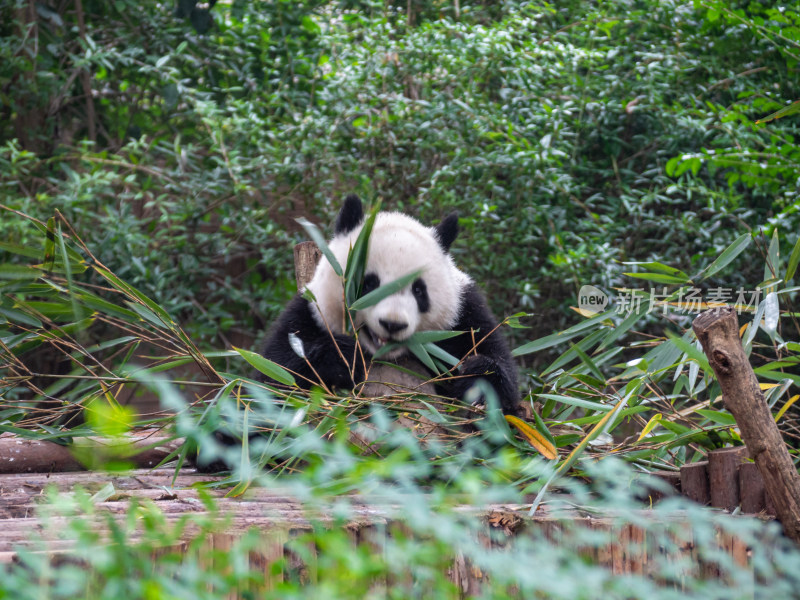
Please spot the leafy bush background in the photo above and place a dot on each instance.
(181, 140)
(551, 128)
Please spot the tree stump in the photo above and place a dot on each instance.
(694, 482)
(306, 257)
(723, 476)
(718, 332)
(751, 489)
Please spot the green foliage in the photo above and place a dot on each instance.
(417, 534)
(114, 558)
(581, 143)
(574, 136)
(664, 386)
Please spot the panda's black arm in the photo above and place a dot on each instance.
(319, 346)
(491, 360)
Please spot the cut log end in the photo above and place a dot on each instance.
(716, 317)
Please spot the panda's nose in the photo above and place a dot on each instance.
(392, 326)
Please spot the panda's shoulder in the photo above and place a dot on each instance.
(474, 309)
(297, 318)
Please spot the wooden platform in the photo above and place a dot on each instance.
(279, 517)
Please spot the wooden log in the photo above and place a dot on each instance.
(718, 332)
(629, 553)
(306, 257)
(752, 495)
(723, 476)
(18, 455)
(654, 493)
(694, 482)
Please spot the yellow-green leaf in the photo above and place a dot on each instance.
(651, 424)
(536, 439)
(786, 406)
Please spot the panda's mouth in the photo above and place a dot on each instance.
(374, 339)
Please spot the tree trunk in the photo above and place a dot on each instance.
(718, 332)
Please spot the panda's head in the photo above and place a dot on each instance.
(398, 245)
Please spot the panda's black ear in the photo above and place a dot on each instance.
(350, 216)
(447, 230)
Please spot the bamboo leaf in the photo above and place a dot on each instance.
(624, 326)
(752, 328)
(793, 108)
(145, 313)
(421, 353)
(724, 259)
(772, 267)
(794, 259)
(583, 345)
(660, 278)
(18, 272)
(785, 407)
(562, 336)
(384, 291)
(690, 350)
(357, 259)
(431, 413)
(131, 292)
(20, 250)
(536, 439)
(425, 337)
(588, 362)
(772, 314)
(51, 310)
(18, 316)
(50, 245)
(716, 416)
(651, 424)
(576, 402)
(76, 308)
(104, 306)
(694, 371)
(297, 345)
(434, 350)
(593, 433)
(657, 267)
(267, 367)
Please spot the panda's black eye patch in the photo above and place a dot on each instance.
(371, 283)
(420, 291)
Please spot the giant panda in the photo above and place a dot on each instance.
(441, 298)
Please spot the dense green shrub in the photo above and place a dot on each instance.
(571, 137)
(180, 141)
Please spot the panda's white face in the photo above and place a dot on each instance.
(399, 245)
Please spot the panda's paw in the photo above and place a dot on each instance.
(463, 386)
(478, 366)
(475, 397)
(340, 364)
(354, 355)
